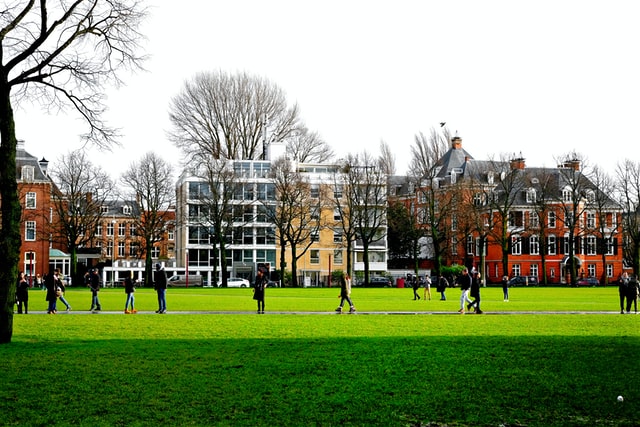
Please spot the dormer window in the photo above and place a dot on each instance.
(530, 195)
(104, 209)
(28, 173)
(126, 209)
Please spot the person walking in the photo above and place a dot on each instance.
(160, 285)
(94, 285)
(415, 285)
(464, 280)
(505, 288)
(442, 286)
(623, 284)
(129, 289)
(633, 287)
(258, 289)
(62, 287)
(426, 283)
(475, 293)
(345, 293)
(52, 297)
(22, 294)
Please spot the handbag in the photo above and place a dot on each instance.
(58, 292)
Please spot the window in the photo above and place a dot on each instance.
(516, 219)
(266, 191)
(122, 229)
(261, 236)
(261, 170)
(530, 195)
(337, 257)
(171, 235)
(534, 221)
(515, 270)
(566, 245)
(315, 237)
(551, 220)
(126, 209)
(470, 245)
(30, 200)
(552, 245)
(609, 270)
(337, 237)
(110, 229)
(533, 270)
(591, 220)
(610, 242)
(30, 231)
(155, 252)
(315, 191)
(591, 245)
(336, 215)
(314, 256)
(591, 270)
(247, 234)
(337, 192)
(104, 209)
(121, 249)
(534, 245)
(132, 229)
(28, 173)
(566, 195)
(516, 245)
(99, 230)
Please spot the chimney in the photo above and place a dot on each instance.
(517, 163)
(456, 143)
(44, 164)
(20, 145)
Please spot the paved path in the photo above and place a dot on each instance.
(398, 313)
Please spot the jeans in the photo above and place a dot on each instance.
(64, 301)
(95, 302)
(162, 300)
(464, 297)
(347, 299)
(130, 299)
(52, 306)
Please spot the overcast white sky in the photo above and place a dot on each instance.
(541, 78)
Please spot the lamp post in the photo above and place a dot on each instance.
(113, 253)
(186, 264)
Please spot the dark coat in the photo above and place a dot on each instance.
(258, 288)
(129, 286)
(22, 292)
(159, 279)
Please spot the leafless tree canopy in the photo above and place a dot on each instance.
(83, 189)
(426, 152)
(61, 54)
(229, 116)
(305, 146)
(387, 159)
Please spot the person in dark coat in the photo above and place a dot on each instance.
(475, 293)
(345, 293)
(94, 285)
(160, 285)
(443, 284)
(632, 294)
(415, 285)
(623, 284)
(505, 288)
(464, 280)
(129, 289)
(52, 297)
(22, 294)
(258, 289)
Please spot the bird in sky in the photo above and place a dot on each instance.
(442, 124)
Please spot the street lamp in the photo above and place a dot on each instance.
(113, 254)
(186, 257)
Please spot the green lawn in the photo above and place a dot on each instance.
(320, 370)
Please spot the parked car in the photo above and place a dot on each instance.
(378, 282)
(236, 282)
(523, 281)
(588, 281)
(182, 280)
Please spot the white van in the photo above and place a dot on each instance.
(181, 280)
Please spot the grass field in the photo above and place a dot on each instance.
(313, 369)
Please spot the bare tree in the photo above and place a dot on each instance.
(230, 116)
(572, 198)
(214, 212)
(366, 186)
(628, 190)
(387, 159)
(436, 207)
(305, 146)
(602, 223)
(149, 182)
(545, 186)
(61, 55)
(83, 189)
(298, 214)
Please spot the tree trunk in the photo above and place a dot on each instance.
(10, 239)
(294, 266)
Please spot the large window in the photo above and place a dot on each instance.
(551, 217)
(199, 190)
(591, 245)
(30, 231)
(552, 245)
(30, 200)
(591, 220)
(516, 245)
(534, 245)
(314, 256)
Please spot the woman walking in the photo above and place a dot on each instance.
(345, 293)
(129, 289)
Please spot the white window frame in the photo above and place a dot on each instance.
(30, 231)
(30, 200)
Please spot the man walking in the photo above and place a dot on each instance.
(465, 284)
(160, 285)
